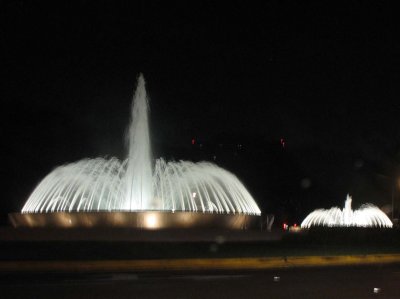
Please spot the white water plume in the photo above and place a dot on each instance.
(367, 215)
(135, 184)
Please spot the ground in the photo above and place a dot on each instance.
(338, 282)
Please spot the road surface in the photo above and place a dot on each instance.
(378, 281)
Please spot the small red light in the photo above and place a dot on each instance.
(193, 141)
(283, 142)
(295, 225)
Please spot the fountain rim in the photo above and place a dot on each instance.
(147, 210)
(142, 220)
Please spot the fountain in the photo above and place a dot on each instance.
(136, 192)
(367, 215)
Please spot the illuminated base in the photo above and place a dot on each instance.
(138, 220)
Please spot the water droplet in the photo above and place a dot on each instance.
(305, 183)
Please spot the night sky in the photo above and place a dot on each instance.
(323, 79)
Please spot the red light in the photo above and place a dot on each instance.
(295, 225)
(193, 141)
(283, 142)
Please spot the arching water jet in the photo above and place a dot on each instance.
(136, 185)
(367, 215)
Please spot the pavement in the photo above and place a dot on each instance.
(284, 276)
(346, 282)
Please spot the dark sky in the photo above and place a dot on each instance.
(323, 78)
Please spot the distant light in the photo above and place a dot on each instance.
(285, 226)
(377, 290)
(194, 194)
(277, 278)
(193, 141)
(295, 225)
(283, 142)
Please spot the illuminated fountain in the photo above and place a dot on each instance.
(136, 192)
(367, 215)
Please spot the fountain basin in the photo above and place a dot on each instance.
(146, 220)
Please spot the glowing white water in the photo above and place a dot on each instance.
(367, 216)
(133, 185)
(138, 174)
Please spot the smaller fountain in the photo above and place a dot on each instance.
(367, 215)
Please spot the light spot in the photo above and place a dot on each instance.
(151, 221)
(305, 183)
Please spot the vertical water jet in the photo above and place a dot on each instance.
(138, 174)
